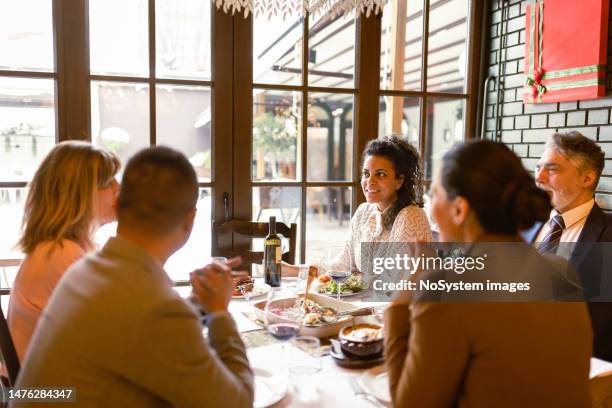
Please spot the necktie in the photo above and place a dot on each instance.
(550, 243)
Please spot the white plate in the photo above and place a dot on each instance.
(375, 382)
(342, 295)
(259, 289)
(269, 389)
(315, 289)
(600, 368)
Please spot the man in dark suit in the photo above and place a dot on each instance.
(569, 170)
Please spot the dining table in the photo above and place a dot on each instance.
(333, 386)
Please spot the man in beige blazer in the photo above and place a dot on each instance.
(115, 329)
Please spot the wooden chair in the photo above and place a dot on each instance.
(242, 232)
(7, 352)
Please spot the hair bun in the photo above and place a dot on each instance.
(525, 204)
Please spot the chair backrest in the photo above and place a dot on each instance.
(250, 230)
(8, 352)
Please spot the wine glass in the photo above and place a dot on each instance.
(283, 319)
(339, 277)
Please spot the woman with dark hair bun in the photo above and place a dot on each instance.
(491, 179)
(497, 353)
(392, 182)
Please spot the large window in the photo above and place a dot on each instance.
(302, 139)
(27, 106)
(423, 75)
(153, 87)
(27, 114)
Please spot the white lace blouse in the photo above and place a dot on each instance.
(410, 225)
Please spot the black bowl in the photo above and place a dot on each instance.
(360, 347)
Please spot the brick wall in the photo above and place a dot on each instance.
(526, 127)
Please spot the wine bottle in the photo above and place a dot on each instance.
(272, 256)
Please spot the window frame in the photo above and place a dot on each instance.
(232, 87)
(367, 93)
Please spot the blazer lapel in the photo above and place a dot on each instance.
(591, 233)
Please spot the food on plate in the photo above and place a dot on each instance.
(311, 306)
(353, 284)
(312, 319)
(314, 315)
(324, 278)
(246, 283)
(363, 339)
(363, 332)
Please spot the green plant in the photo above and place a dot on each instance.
(276, 135)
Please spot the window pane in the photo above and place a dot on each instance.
(196, 251)
(277, 50)
(12, 201)
(26, 35)
(194, 254)
(400, 67)
(118, 37)
(183, 122)
(447, 47)
(27, 126)
(276, 135)
(331, 51)
(281, 202)
(445, 120)
(330, 137)
(120, 117)
(328, 214)
(182, 37)
(400, 116)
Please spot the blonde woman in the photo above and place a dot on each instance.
(72, 193)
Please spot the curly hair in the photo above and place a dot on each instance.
(406, 162)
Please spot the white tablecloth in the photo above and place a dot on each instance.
(334, 389)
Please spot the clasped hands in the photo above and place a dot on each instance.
(212, 284)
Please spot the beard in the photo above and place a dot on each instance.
(559, 198)
(544, 188)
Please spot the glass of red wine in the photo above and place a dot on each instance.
(283, 319)
(339, 277)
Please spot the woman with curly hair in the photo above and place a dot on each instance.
(72, 194)
(392, 182)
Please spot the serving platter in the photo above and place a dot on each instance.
(321, 331)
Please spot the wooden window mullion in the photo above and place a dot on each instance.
(367, 71)
(71, 43)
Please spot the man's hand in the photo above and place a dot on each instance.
(213, 284)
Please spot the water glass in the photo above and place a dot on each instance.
(305, 364)
(258, 271)
(302, 278)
